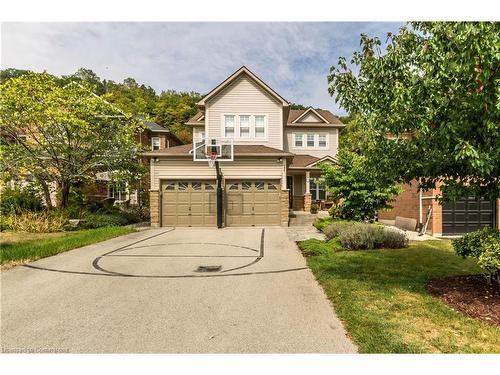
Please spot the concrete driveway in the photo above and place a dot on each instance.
(233, 290)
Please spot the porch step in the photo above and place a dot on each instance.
(300, 218)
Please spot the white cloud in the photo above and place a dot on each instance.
(294, 58)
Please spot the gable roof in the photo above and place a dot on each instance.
(310, 109)
(235, 75)
(330, 119)
(308, 161)
(197, 119)
(154, 127)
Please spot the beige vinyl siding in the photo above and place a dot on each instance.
(311, 117)
(245, 97)
(330, 150)
(244, 168)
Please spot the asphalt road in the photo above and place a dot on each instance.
(233, 290)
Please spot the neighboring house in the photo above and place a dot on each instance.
(155, 138)
(276, 155)
(451, 218)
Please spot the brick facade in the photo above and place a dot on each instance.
(154, 207)
(407, 205)
(284, 210)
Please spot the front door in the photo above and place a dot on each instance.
(289, 186)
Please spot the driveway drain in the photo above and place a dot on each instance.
(208, 268)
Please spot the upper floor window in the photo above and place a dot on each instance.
(298, 140)
(244, 126)
(322, 140)
(260, 126)
(229, 126)
(310, 140)
(155, 143)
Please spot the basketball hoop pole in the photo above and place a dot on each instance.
(219, 195)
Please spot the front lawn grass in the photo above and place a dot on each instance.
(380, 295)
(18, 247)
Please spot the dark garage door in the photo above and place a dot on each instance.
(467, 215)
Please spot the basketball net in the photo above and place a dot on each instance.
(212, 159)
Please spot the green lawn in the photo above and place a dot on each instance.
(17, 248)
(380, 295)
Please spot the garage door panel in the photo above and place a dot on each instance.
(188, 203)
(466, 215)
(250, 203)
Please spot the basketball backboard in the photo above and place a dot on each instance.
(209, 148)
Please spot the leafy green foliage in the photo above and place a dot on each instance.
(356, 187)
(15, 199)
(173, 109)
(315, 247)
(484, 245)
(66, 134)
(432, 96)
(322, 222)
(362, 236)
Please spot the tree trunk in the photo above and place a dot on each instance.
(46, 194)
(64, 195)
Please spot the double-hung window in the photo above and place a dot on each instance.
(310, 140)
(298, 140)
(322, 140)
(229, 126)
(317, 188)
(260, 126)
(155, 143)
(244, 126)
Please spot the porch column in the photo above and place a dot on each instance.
(308, 178)
(307, 194)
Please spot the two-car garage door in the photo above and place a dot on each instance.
(246, 203)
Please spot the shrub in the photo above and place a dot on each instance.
(321, 222)
(484, 245)
(334, 229)
(35, 222)
(20, 199)
(395, 239)
(314, 208)
(99, 220)
(361, 236)
(358, 236)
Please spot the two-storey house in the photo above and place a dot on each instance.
(272, 165)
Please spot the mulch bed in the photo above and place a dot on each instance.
(470, 295)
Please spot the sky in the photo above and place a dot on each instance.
(294, 58)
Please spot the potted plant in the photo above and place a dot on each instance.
(314, 208)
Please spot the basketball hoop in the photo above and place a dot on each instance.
(212, 159)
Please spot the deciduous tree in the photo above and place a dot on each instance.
(431, 93)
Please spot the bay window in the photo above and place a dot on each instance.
(244, 126)
(229, 126)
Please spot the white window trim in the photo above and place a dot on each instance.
(316, 141)
(237, 137)
(249, 126)
(235, 125)
(296, 137)
(153, 143)
(315, 192)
